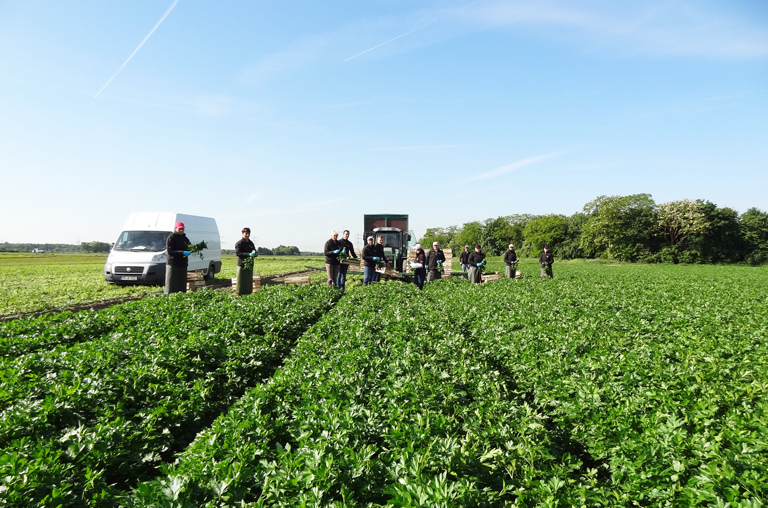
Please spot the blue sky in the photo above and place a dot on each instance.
(295, 118)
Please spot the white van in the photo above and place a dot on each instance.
(139, 255)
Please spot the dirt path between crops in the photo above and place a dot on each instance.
(269, 279)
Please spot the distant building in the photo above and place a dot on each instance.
(38, 251)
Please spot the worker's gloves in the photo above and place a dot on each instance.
(253, 254)
(375, 258)
(479, 265)
(336, 251)
(344, 250)
(439, 262)
(186, 253)
(483, 263)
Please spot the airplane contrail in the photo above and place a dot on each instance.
(387, 42)
(139, 47)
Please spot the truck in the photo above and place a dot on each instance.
(139, 255)
(397, 236)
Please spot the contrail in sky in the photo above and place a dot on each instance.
(387, 42)
(139, 47)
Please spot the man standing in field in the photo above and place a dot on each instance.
(546, 259)
(476, 260)
(331, 251)
(510, 258)
(435, 258)
(177, 260)
(380, 255)
(369, 262)
(349, 250)
(464, 261)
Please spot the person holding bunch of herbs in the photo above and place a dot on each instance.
(476, 262)
(245, 251)
(435, 258)
(546, 259)
(348, 249)
(510, 259)
(177, 260)
(464, 261)
(381, 257)
(419, 266)
(370, 258)
(331, 250)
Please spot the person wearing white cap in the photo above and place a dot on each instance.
(510, 258)
(331, 250)
(419, 266)
(435, 257)
(369, 261)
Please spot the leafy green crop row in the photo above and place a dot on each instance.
(84, 420)
(637, 386)
(382, 401)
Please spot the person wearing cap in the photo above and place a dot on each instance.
(419, 266)
(331, 251)
(349, 250)
(546, 259)
(244, 248)
(177, 260)
(510, 258)
(464, 261)
(380, 255)
(369, 262)
(476, 259)
(435, 257)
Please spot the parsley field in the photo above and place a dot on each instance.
(606, 386)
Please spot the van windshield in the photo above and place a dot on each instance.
(150, 241)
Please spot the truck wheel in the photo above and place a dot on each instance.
(211, 272)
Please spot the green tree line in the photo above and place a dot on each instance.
(624, 228)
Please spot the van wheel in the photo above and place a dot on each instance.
(211, 272)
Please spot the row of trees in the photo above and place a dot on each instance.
(55, 247)
(625, 228)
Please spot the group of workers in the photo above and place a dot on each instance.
(426, 266)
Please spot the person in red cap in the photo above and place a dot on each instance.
(244, 248)
(177, 260)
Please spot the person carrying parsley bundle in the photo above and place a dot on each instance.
(177, 260)
(245, 251)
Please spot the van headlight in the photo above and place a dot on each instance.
(157, 258)
(108, 267)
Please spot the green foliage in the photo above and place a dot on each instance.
(546, 230)
(678, 220)
(84, 420)
(754, 226)
(95, 247)
(495, 236)
(619, 227)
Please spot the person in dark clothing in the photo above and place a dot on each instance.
(369, 262)
(546, 259)
(244, 248)
(435, 257)
(419, 266)
(510, 258)
(176, 246)
(476, 260)
(349, 250)
(380, 254)
(331, 251)
(464, 261)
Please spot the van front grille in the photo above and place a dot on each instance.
(135, 270)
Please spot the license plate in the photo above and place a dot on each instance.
(129, 277)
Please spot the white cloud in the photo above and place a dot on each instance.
(510, 167)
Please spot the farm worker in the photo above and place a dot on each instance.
(419, 266)
(381, 256)
(369, 262)
(348, 249)
(177, 260)
(546, 259)
(464, 260)
(476, 260)
(435, 258)
(244, 248)
(331, 251)
(510, 258)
